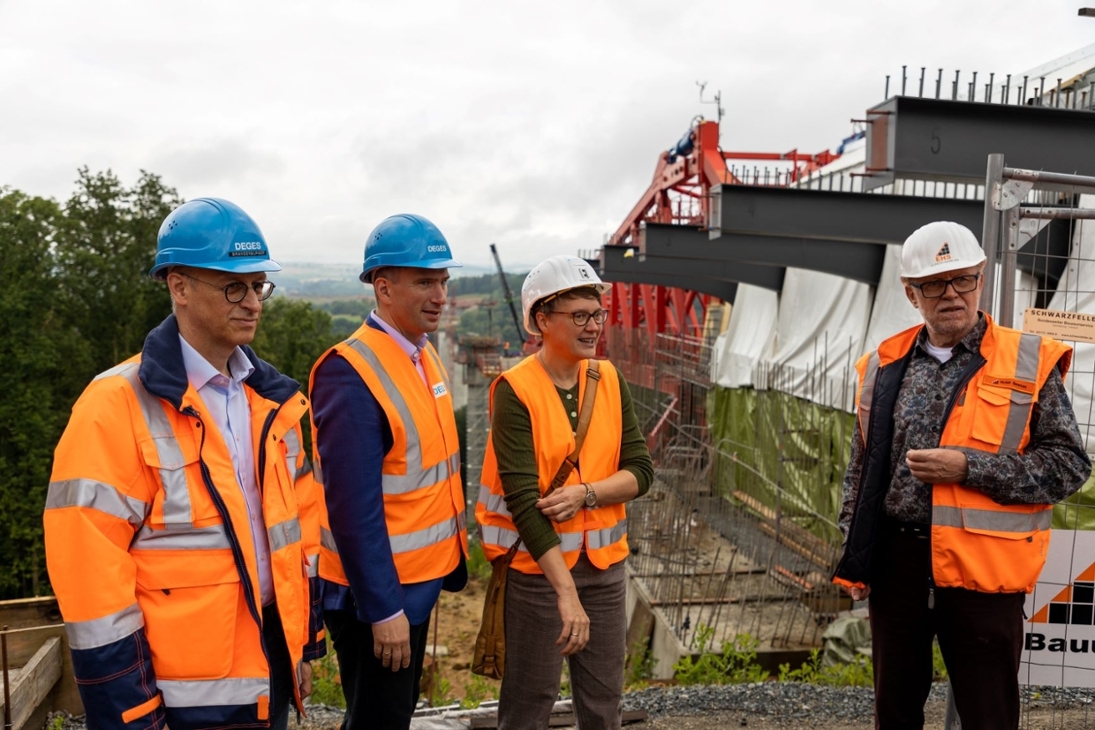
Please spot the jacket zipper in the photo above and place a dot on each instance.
(230, 533)
(975, 365)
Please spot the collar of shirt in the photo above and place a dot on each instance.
(200, 372)
(971, 342)
(413, 349)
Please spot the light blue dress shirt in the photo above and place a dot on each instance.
(227, 405)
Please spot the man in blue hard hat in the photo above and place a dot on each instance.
(385, 439)
(182, 522)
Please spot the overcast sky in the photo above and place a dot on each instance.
(533, 125)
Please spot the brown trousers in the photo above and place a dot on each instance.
(533, 662)
(980, 635)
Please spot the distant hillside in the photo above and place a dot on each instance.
(299, 280)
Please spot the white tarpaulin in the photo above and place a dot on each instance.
(892, 312)
(1076, 293)
(748, 337)
(819, 336)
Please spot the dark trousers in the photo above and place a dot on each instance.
(533, 662)
(376, 697)
(980, 635)
(281, 668)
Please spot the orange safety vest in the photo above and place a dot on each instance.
(977, 543)
(601, 531)
(420, 476)
(138, 542)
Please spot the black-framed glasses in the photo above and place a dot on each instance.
(581, 318)
(236, 292)
(938, 287)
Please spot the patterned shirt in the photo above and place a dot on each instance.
(1053, 465)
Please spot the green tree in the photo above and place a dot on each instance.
(44, 359)
(106, 244)
(292, 335)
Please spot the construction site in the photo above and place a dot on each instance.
(744, 287)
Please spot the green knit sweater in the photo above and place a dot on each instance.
(511, 432)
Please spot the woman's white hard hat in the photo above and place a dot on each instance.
(940, 247)
(552, 277)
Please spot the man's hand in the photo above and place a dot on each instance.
(392, 643)
(305, 680)
(562, 504)
(938, 466)
(857, 593)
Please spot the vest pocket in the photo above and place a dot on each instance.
(190, 604)
(994, 413)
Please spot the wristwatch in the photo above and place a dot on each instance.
(591, 496)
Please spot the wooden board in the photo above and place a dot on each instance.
(33, 621)
(31, 684)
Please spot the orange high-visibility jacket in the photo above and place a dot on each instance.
(602, 531)
(420, 475)
(976, 543)
(150, 552)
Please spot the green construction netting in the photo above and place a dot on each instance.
(767, 438)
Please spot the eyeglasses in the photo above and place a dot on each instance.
(236, 292)
(938, 287)
(581, 318)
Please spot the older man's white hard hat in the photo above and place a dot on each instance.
(940, 247)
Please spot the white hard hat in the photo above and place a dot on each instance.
(938, 247)
(554, 276)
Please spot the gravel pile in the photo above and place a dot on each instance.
(792, 703)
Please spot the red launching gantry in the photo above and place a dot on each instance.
(680, 194)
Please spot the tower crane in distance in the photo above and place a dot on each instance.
(528, 346)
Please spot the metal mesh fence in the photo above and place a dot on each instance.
(720, 541)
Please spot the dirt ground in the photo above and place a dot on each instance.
(458, 620)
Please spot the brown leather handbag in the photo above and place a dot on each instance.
(489, 659)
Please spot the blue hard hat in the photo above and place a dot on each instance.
(406, 240)
(211, 233)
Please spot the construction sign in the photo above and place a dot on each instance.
(1059, 646)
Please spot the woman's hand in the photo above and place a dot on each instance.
(562, 504)
(575, 633)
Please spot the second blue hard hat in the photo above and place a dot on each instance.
(211, 233)
(406, 240)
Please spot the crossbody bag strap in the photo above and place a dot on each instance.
(593, 377)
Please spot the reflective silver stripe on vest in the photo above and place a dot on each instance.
(117, 370)
(317, 472)
(327, 540)
(866, 395)
(305, 468)
(414, 445)
(597, 539)
(1026, 368)
(203, 538)
(996, 521)
(440, 369)
(97, 496)
(284, 534)
(493, 502)
(499, 537)
(213, 692)
(292, 444)
(431, 535)
(106, 630)
(412, 480)
(313, 565)
(503, 538)
(176, 501)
